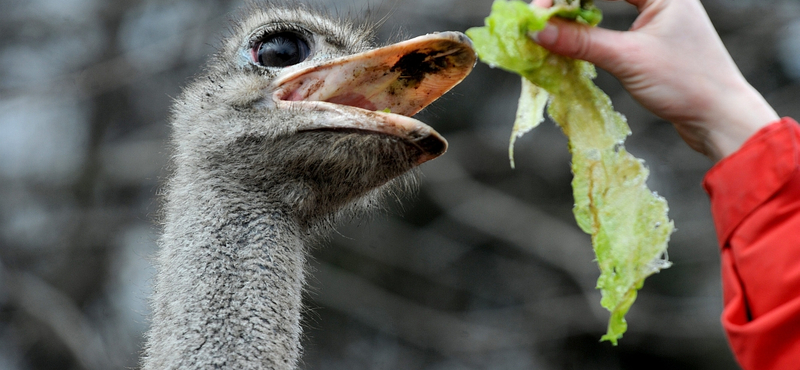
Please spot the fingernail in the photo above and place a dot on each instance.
(547, 36)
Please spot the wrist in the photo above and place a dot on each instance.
(737, 118)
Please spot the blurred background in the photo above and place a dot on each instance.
(483, 269)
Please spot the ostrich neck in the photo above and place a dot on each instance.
(229, 283)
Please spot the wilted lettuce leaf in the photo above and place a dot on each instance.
(628, 223)
(530, 113)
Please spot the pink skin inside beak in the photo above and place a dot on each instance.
(353, 100)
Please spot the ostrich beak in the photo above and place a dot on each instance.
(378, 90)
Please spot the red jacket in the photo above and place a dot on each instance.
(755, 202)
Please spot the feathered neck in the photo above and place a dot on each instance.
(228, 289)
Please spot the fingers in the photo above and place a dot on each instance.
(638, 3)
(596, 45)
(548, 3)
(641, 4)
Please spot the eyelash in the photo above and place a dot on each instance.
(275, 28)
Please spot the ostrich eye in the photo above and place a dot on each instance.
(281, 50)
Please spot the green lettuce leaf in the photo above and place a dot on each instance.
(530, 113)
(628, 222)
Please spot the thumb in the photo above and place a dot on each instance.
(596, 45)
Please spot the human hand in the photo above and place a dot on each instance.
(673, 62)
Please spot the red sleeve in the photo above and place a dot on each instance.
(755, 202)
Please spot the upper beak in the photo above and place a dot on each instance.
(391, 83)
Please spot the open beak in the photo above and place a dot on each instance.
(381, 88)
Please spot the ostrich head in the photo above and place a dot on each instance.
(303, 111)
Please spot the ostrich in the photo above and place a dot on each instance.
(296, 121)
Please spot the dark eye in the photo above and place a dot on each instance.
(281, 50)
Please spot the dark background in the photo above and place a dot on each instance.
(483, 269)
